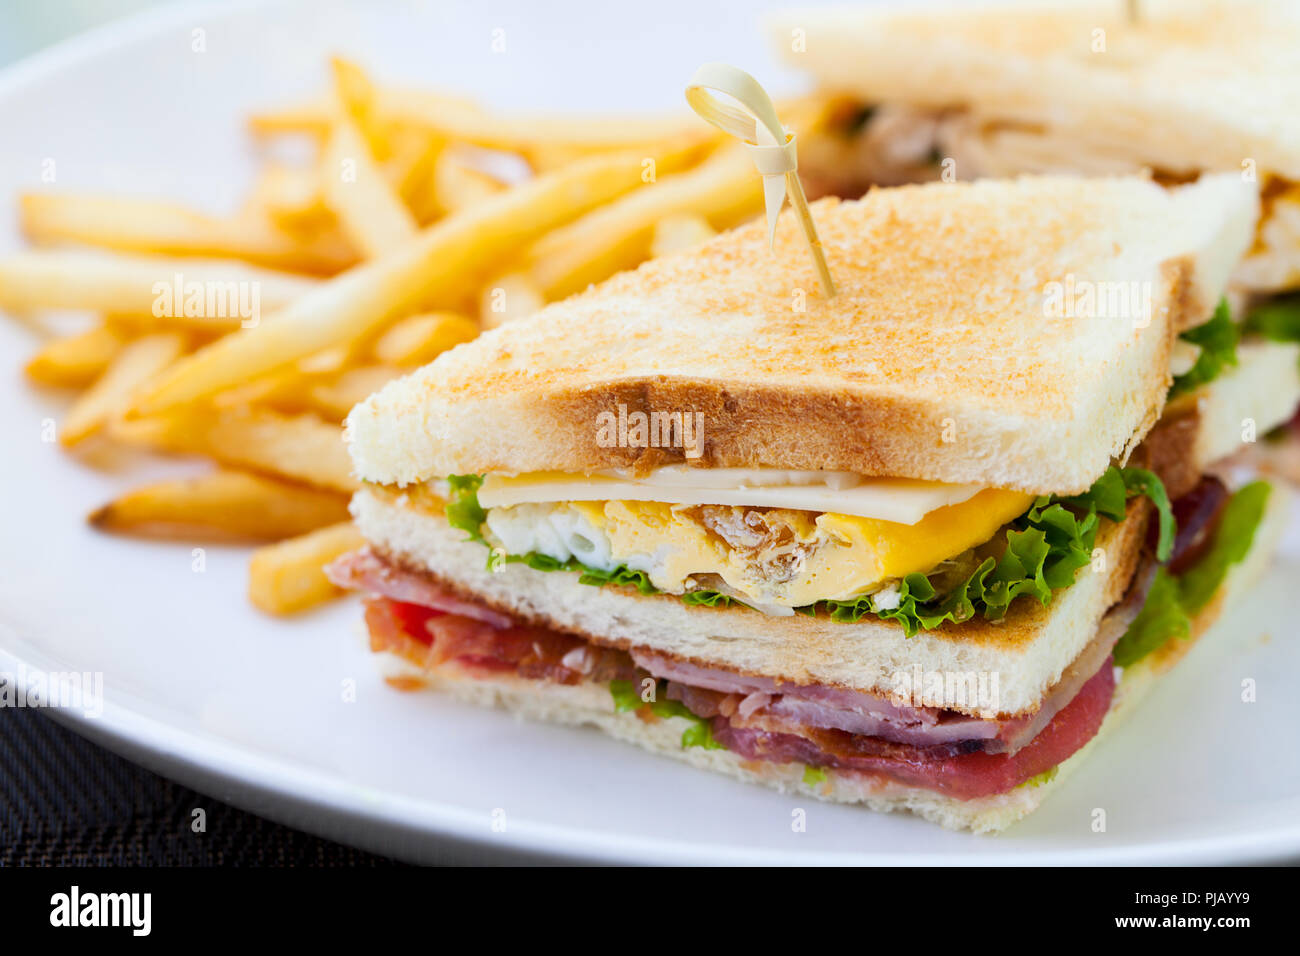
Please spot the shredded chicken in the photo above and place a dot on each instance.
(777, 541)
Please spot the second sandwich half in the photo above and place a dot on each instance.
(911, 547)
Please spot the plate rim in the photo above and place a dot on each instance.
(256, 779)
(199, 762)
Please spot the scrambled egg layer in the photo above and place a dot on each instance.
(772, 559)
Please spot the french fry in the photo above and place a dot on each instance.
(312, 118)
(327, 361)
(289, 387)
(224, 504)
(618, 236)
(283, 389)
(66, 279)
(148, 225)
(435, 263)
(677, 232)
(549, 142)
(299, 447)
(369, 209)
(134, 365)
(288, 577)
(292, 197)
(75, 360)
(509, 297)
(422, 338)
(356, 96)
(263, 400)
(458, 120)
(544, 156)
(411, 169)
(202, 327)
(371, 215)
(455, 185)
(335, 399)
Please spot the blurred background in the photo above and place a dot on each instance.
(26, 27)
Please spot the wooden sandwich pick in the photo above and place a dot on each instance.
(768, 143)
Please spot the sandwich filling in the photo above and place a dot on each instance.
(774, 559)
(829, 730)
(973, 556)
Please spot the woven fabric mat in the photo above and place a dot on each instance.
(65, 801)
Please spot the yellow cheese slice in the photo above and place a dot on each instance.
(900, 500)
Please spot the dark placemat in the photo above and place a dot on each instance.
(65, 801)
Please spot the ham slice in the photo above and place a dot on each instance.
(758, 717)
(366, 571)
(962, 775)
(794, 707)
(829, 707)
(778, 706)
(430, 638)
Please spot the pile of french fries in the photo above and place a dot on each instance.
(399, 239)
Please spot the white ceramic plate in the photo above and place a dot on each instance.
(203, 689)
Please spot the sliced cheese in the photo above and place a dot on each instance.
(900, 500)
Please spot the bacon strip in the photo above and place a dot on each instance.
(829, 707)
(777, 705)
(962, 775)
(759, 718)
(745, 724)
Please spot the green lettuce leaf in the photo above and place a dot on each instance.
(1174, 599)
(812, 776)
(706, 598)
(700, 734)
(1043, 551)
(627, 697)
(1161, 617)
(463, 510)
(1218, 341)
(620, 576)
(1277, 319)
(1108, 495)
(1139, 481)
(1232, 540)
(1046, 776)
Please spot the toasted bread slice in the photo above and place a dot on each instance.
(1245, 402)
(1191, 85)
(591, 705)
(1222, 418)
(958, 348)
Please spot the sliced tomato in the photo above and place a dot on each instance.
(390, 621)
(429, 637)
